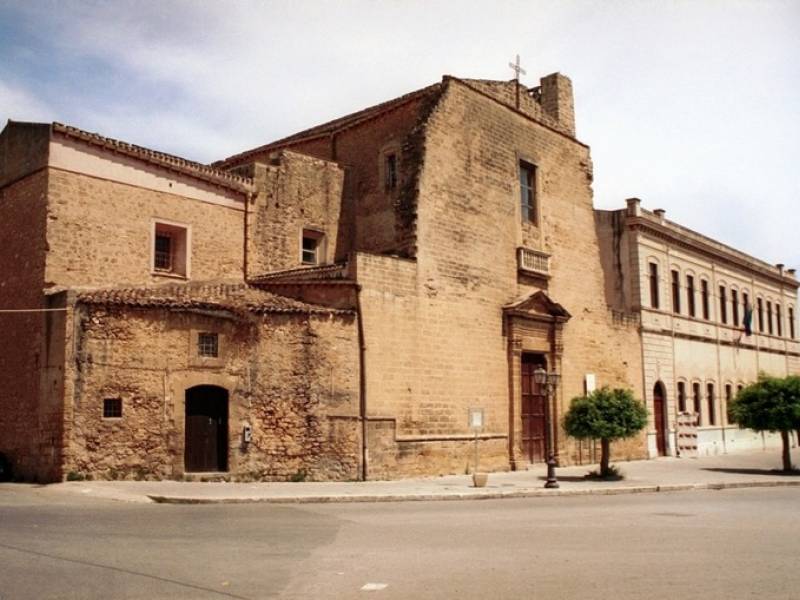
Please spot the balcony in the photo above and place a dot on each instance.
(533, 262)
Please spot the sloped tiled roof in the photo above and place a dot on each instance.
(330, 126)
(169, 161)
(325, 273)
(235, 297)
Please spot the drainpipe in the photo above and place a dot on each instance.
(362, 384)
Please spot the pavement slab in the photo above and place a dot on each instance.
(668, 474)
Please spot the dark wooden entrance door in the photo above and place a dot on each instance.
(534, 405)
(659, 410)
(206, 429)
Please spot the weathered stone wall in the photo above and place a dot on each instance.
(30, 431)
(295, 192)
(373, 218)
(100, 233)
(435, 340)
(292, 378)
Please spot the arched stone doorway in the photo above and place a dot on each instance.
(206, 446)
(660, 417)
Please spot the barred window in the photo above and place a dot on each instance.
(112, 408)
(208, 344)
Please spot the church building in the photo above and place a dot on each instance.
(361, 300)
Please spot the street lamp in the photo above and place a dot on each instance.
(550, 382)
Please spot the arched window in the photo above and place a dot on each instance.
(735, 306)
(723, 305)
(654, 299)
(696, 402)
(712, 413)
(681, 396)
(704, 299)
(676, 291)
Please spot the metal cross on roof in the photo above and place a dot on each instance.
(517, 69)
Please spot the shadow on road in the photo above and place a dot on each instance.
(795, 473)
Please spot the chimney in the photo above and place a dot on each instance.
(557, 100)
(659, 212)
(634, 207)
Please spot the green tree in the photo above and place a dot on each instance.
(608, 415)
(769, 404)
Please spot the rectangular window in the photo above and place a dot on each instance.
(690, 294)
(170, 249)
(712, 414)
(112, 408)
(208, 344)
(704, 298)
(769, 317)
(163, 252)
(723, 304)
(311, 251)
(760, 305)
(791, 322)
(779, 319)
(735, 307)
(390, 171)
(696, 401)
(681, 396)
(654, 285)
(676, 293)
(527, 190)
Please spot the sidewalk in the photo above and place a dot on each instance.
(735, 470)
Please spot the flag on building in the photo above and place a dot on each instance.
(747, 321)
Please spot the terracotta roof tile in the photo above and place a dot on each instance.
(235, 297)
(174, 163)
(330, 126)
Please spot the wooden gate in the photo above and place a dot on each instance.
(534, 405)
(206, 447)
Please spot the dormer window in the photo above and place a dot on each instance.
(311, 252)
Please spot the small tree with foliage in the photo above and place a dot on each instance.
(769, 404)
(608, 415)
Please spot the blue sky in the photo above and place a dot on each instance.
(693, 106)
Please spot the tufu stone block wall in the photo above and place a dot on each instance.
(292, 378)
(295, 192)
(30, 431)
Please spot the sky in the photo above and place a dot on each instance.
(692, 106)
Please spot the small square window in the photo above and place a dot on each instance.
(170, 249)
(208, 344)
(112, 408)
(312, 246)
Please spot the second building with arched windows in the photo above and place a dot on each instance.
(711, 319)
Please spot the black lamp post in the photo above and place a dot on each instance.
(550, 382)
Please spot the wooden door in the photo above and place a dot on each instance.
(206, 429)
(534, 406)
(660, 420)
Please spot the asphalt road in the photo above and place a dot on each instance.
(722, 544)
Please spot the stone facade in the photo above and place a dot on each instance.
(689, 292)
(332, 305)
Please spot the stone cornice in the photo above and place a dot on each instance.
(702, 245)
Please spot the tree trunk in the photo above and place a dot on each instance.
(605, 455)
(787, 457)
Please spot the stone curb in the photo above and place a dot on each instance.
(489, 495)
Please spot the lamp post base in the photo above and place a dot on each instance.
(552, 482)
